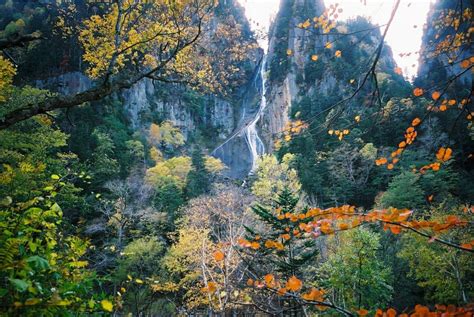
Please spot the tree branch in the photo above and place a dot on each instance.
(19, 40)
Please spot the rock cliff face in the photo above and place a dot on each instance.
(305, 78)
(174, 103)
(285, 36)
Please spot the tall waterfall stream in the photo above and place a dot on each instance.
(230, 151)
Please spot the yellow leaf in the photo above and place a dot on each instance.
(32, 301)
(211, 287)
(107, 305)
(289, 52)
(138, 281)
(328, 45)
(337, 53)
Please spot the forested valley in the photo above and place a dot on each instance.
(156, 159)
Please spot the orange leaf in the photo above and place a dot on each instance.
(391, 312)
(362, 312)
(250, 282)
(417, 92)
(314, 295)
(314, 58)
(282, 291)
(415, 122)
(269, 280)
(465, 63)
(444, 154)
(435, 95)
(343, 226)
(294, 284)
(338, 53)
(218, 255)
(255, 245)
(395, 229)
(381, 161)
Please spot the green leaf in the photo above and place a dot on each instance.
(3, 292)
(19, 285)
(55, 207)
(38, 262)
(6, 201)
(55, 177)
(33, 246)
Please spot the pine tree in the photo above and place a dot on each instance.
(286, 247)
(198, 180)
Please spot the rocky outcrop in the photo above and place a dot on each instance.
(66, 84)
(305, 76)
(285, 36)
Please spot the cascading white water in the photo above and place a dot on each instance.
(252, 138)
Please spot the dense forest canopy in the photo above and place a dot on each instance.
(155, 161)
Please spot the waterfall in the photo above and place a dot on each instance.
(252, 138)
(242, 148)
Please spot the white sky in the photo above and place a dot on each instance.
(403, 36)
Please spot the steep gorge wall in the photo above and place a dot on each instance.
(282, 88)
(303, 88)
